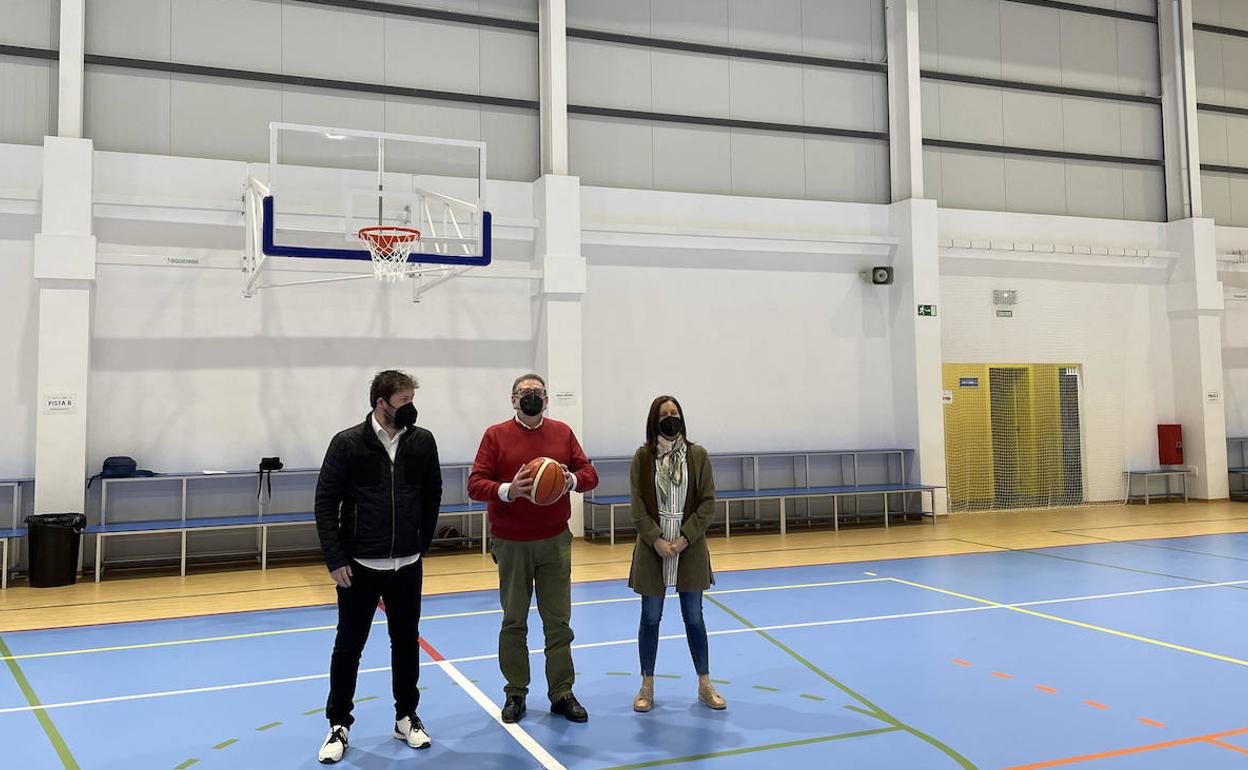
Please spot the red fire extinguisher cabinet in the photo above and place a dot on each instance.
(1170, 444)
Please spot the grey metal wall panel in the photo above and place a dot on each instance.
(509, 63)
(846, 29)
(970, 113)
(701, 21)
(419, 53)
(775, 25)
(328, 42)
(1032, 120)
(692, 159)
(1035, 185)
(1144, 193)
(608, 75)
(239, 34)
(211, 118)
(767, 165)
(33, 23)
(845, 99)
(613, 15)
(513, 143)
(690, 84)
(127, 111)
(134, 28)
(27, 100)
(1213, 138)
(846, 170)
(969, 37)
(1089, 55)
(1031, 43)
(611, 153)
(1094, 190)
(972, 181)
(766, 91)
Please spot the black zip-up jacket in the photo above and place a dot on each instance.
(370, 508)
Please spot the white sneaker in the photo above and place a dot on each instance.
(411, 730)
(334, 746)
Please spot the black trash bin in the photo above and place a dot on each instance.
(53, 542)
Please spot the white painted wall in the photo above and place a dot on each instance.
(750, 310)
(19, 317)
(1117, 332)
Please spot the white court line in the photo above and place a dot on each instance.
(517, 732)
(443, 616)
(618, 642)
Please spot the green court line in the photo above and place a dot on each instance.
(618, 673)
(766, 688)
(813, 697)
(365, 699)
(223, 744)
(667, 676)
(186, 764)
(721, 681)
(49, 729)
(269, 726)
(317, 710)
(875, 711)
(753, 749)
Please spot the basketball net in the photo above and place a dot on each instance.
(390, 248)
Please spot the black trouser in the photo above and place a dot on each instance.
(357, 606)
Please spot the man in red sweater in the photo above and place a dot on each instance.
(532, 545)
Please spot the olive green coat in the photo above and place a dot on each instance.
(693, 572)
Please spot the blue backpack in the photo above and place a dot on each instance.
(119, 468)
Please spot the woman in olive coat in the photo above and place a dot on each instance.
(673, 501)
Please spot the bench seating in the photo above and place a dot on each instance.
(253, 521)
(5, 536)
(781, 494)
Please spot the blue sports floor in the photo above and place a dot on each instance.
(1114, 655)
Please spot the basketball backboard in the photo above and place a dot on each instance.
(323, 184)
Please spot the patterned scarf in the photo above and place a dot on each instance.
(669, 465)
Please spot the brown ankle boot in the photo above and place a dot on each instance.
(710, 697)
(645, 698)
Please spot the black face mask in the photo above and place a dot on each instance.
(405, 416)
(671, 426)
(531, 404)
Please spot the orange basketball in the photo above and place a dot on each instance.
(548, 480)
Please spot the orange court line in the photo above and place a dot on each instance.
(999, 675)
(1232, 747)
(1096, 705)
(1148, 721)
(1132, 750)
(1049, 690)
(961, 662)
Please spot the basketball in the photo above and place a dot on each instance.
(548, 480)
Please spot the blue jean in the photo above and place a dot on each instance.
(695, 631)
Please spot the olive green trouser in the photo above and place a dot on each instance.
(547, 566)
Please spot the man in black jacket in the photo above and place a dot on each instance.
(377, 502)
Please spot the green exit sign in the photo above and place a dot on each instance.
(927, 310)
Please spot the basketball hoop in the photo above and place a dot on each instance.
(390, 247)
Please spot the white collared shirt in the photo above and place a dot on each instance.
(392, 448)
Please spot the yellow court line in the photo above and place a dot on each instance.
(1077, 623)
(445, 616)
